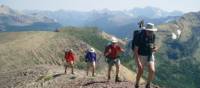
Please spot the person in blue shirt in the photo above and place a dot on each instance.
(90, 59)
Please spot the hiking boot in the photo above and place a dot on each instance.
(136, 86)
(148, 85)
(117, 79)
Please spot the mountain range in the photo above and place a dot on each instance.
(119, 23)
(12, 20)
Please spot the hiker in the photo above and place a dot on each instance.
(112, 53)
(144, 50)
(90, 59)
(69, 57)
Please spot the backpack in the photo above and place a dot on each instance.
(144, 43)
(136, 35)
(106, 50)
(90, 56)
(115, 51)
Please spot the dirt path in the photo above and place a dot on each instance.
(46, 76)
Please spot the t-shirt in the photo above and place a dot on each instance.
(69, 56)
(145, 44)
(113, 51)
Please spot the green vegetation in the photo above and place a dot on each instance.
(81, 64)
(89, 35)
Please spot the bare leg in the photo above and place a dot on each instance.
(65, 69)
(139, 74)
(72, 67)
(109, 71)
(88, 68)
(151, 68)
(140, 69)
(117, 69)
(117, 73)
(93, 68)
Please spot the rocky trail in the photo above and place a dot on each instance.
(45, 76)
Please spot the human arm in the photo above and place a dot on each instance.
(155, 42)
(155, 49)
(95, 56)
(107, 51)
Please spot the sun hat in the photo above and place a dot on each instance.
(92, 50)
(114, 40)
(150, 27)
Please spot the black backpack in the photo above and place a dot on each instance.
(139, 37)
(136, 35)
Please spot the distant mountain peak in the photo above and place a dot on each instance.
(11, 19)
(5, 10)
(153, 12)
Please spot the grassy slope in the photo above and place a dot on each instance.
(93, 37)
(19, 50)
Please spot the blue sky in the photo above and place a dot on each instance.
(86, 5)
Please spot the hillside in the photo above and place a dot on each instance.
(178, 60)
(35, 60)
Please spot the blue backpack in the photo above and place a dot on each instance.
(90, 56)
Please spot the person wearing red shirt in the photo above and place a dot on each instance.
(112, 53)
(69, 57)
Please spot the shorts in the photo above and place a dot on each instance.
(112, 62)
(68, 63)
(91, 64)
(69, 60)
(90, 60)
(146, 60)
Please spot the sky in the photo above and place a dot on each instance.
(87, 5)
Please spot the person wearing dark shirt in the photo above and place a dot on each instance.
(144, 49)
